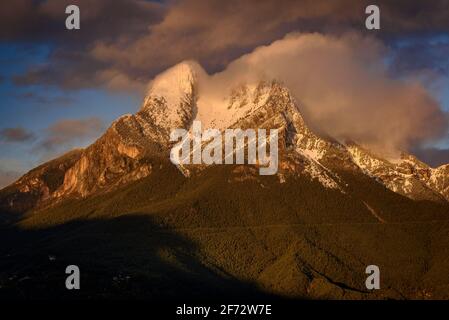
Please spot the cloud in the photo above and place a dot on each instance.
(14, 135)
(53, 141)
(70, 64)
(31, 20)
(433, 156)
(46, 100)
(343, 88)
(66, 134)
(341, 81)
(422, 55)
(150, 37)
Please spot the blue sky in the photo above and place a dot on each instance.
(36, 107)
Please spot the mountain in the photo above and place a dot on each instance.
(123, 154)
(309, 231)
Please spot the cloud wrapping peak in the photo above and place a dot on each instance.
(342, 83)
(343, 88)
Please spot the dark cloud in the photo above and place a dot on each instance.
(422, 54)
(400, 17)
(70, 64)
(65, 134)
(14, 135)
(433, 156)
(123, 44)
(45, 100)
(31, 20)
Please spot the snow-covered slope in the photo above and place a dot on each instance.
(407, 175)
(170, 100)
(179, 96)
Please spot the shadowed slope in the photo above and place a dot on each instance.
(291, 239)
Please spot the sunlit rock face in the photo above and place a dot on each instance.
(134, 144)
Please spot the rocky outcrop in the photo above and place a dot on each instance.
(133, 144)
(39, 185)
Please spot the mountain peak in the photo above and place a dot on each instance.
(175, 83)
(185, 93)
(170, 101)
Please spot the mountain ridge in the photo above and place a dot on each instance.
(138, 226)
(125, 151)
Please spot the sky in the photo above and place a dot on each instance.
(60, 89)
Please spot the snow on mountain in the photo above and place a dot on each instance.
(222, 111)
(170, 102)
(185, 93)
(439, 180)
(407, 176)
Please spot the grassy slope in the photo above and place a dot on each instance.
(217, 235)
